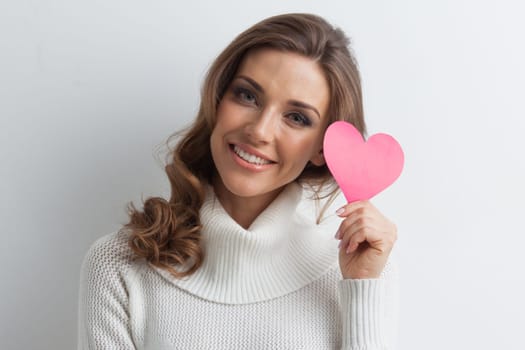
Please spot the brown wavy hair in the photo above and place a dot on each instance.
(167, 233)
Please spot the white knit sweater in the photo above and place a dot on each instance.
(276, 285)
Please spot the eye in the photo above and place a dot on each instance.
(244, 95)
(300, 119)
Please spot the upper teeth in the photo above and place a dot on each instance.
(250, 158)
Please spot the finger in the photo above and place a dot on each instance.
(356, 216)
(347, 231)
(377, 239)
(362, 229)
(357, 238)
(347, 209)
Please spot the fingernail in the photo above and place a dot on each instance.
(351, 248)
(340, 242)
(340, 211)
(336, 234)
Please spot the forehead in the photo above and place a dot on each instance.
(287, 76)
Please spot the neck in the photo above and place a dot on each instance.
(244, 210)
(272, 258)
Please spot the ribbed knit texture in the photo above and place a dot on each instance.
(276, 285)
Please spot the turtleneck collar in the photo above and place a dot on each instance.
(282, 251)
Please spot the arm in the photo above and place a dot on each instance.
(103, 319)
(369, 289)
(369, 311)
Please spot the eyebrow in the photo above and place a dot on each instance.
(295, 103)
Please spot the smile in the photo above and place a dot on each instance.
(250, 158)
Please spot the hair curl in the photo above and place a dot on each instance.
(167, 233)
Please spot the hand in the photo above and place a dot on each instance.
(368, 237)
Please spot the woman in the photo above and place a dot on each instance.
(243, 254)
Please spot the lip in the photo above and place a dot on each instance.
(250, 150)
(246, 165)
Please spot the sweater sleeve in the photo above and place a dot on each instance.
(369, 311)
(103, 315)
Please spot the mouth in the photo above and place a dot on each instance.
(250, 157)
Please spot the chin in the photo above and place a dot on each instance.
(246, 187)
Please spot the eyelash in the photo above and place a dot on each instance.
(237, 91)
(304, 120)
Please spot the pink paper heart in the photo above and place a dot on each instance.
(361, 169)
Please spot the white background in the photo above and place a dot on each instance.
(88, 89)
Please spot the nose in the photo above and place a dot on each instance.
(261, 129)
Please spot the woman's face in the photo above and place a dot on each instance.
(270, 123)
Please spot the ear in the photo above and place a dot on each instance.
(318, 158)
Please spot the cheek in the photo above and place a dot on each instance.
(217, 135)
(222, 121)
(229, 116)
(299, 151)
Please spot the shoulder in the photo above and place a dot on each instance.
(104, 307)
(109, 255)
